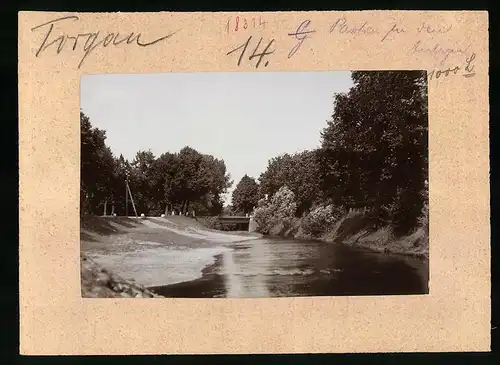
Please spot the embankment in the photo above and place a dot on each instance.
(97, 282)
(121, 256)
(359, 230)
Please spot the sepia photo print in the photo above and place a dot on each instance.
(254, 184)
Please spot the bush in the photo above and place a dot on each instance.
(280, 211)
(318, 221)
(262, 216)
(283, 206)
(423, 220)
(211, 222)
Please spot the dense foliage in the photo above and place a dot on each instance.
(245, 195)
(372, 155)
(374, 150)
(279, 210)
(300, 172)
(183, 181)
(98, 180)
(319, 220)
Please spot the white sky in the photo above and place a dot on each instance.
(243, 118)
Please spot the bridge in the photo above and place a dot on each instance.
(230, 219)
(242, 223)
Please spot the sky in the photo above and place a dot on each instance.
(243, 118)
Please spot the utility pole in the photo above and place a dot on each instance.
(127, 192)
(126, 196)
(132, 199)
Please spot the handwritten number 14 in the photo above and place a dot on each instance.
(260, 56)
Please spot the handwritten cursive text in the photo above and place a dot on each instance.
(437, 51)
(467, 70)
(301, 34)
(341, 26)
(430, 29)
(90, 40)
(395, 29)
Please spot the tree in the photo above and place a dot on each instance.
(374, 149)
(228, 210)
(166, 184)
(183, 180)
(195, 178)
(245, 195)
(182, 185)
(142, 183)
(214, 181)
(97, 168)
(300, 172)
(122, 170)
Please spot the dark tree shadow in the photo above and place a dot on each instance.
(124, 221)
(87, 237)
(107, 225)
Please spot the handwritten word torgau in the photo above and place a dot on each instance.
(90, 40)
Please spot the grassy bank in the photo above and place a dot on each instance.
(358, 230)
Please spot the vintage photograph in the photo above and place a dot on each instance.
(254, 184)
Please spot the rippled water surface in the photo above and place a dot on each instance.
(176, 262)
(270, 268)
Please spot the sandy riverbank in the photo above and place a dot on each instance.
(151, 251)
(97, 282)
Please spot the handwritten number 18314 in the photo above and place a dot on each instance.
(241, 23)
(255, 54)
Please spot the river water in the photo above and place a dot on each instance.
(176, 261)
(279, 267)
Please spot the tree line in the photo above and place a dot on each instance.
(372, 155)
(183, 181)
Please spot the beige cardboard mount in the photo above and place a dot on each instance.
(55, 319)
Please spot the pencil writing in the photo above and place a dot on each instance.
(90, 40)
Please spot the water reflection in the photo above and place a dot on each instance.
(245, 270)
(273, 267)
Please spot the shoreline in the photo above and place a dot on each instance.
(364, 246)
(210, 278)
(209, 283)
(414, 244)
(106, 240)
(99, 282)
(213, 283)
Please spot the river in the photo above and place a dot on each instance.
(280, 267)
(197, 263)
